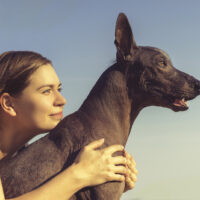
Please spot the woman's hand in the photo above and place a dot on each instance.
(131, 176)
(98, 166)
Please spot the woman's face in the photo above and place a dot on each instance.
(39, 108)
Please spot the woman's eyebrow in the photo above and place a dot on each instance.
(48, 85)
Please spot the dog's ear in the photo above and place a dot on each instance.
(124, 39)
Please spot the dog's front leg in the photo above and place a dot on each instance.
(110, 190)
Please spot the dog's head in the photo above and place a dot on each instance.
(150, 73)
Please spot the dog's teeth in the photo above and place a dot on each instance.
(181, 102)
(184, 101)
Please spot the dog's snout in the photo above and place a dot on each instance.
(197, 86)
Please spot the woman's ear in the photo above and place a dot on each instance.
(6, 104)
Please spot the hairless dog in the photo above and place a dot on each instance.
(141, 77)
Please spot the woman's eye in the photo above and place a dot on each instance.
(59, 89)
(48, 91)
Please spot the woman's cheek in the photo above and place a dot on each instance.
(43, 115)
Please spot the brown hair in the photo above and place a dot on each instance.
(15, 69)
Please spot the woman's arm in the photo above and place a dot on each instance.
(1, 192)
(61, 187)
(91, 167)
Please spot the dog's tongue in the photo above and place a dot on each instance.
(180, 102)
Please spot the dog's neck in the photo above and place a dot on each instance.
(109, 101)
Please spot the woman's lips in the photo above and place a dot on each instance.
(57, 115)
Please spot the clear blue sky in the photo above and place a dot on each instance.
(78, 37)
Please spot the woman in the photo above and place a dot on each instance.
(28, 82)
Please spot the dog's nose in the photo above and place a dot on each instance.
(197, 86)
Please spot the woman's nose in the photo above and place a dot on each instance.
(60, 100)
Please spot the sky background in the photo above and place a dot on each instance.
(78, 37)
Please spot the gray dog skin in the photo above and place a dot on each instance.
(141, 77)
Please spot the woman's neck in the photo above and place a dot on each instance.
(11, 139)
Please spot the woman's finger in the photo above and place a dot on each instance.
(119, 160)
(113, 148)
(116, 177)
(120, 170)
(95, 144)
(135, 171)
(130, 158)
(132, 168)
(133, 177)
(129, 184)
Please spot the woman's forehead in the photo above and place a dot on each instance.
(44, 75)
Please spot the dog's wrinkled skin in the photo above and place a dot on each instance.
(142, 76)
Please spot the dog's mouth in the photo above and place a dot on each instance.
(172, 102)
(180, 104)
(176, 102)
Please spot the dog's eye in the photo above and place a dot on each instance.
(162, 63)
